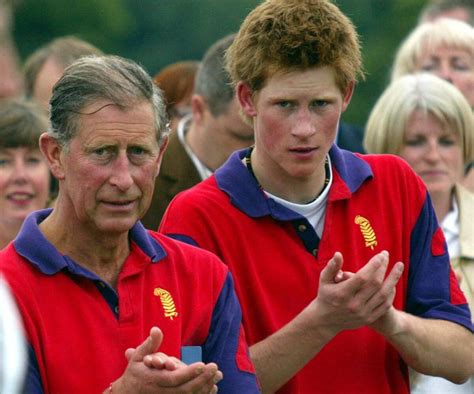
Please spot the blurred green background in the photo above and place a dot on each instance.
(159, 32)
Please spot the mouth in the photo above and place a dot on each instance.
(123, 203)
(434, 173)
(303, 152)
(20, 197)
(119, 205)
(302, 149)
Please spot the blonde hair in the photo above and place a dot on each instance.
(428, 36)
(386, 126)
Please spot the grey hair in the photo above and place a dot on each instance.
(94, 78)
(212, 79)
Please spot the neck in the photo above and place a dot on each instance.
(102, 254)
(442, 204)
(299, 190)
(212, 146)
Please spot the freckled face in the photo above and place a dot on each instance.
(296, 116)
(433, 151)
(109, 171)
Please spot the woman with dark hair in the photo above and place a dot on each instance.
(24, 175)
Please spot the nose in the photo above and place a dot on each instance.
(445, 72)
(20, 172)
(121, 172)
(303, 127)
(432, 153)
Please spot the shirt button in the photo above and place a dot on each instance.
(116, 309)
(302, 227)
(315, 252)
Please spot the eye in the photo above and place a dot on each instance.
(319, 103)
(428, 67)
(415, 141)
(447, 141)
(103, 153)
(138, 155)
(4, 161)
(33, 160)
(137, 151)
(284, 104)
(461, 66)
(100, 151)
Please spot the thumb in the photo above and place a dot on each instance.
(332, 269)
(149, 346)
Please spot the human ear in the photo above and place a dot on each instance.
(198, 107)
(51, 150)
(163, 146)
(348, 95)
(246, 99)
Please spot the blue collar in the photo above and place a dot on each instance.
(31, 244)
(349, 169)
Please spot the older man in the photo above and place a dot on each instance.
(91, 283)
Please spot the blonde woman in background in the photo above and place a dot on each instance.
(428, 122)
(444, 47)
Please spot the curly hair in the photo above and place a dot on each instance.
(285, 35)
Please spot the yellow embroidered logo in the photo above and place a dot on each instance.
(167, 302)
(367, 231)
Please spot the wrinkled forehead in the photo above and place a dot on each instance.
(106, 118)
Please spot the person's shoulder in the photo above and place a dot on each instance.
(382, 159)
(465, 199)
(11, 261)
(21, 275)
(390, 172)
(202, 194)
(387, 163)
(464, 194)
(187, 254)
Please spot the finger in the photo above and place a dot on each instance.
(346, 275)
(161, 360)
(372, 284)
(394, 275)
(149, 345)
(384, 298)
(181, 377)
(204, 382)
(369, 274)
(129, 353)
(154, 361)
(333, 267)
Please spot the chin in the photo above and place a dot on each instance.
(437, 188)
(117, 226)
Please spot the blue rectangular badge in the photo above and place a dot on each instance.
(191, 354)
